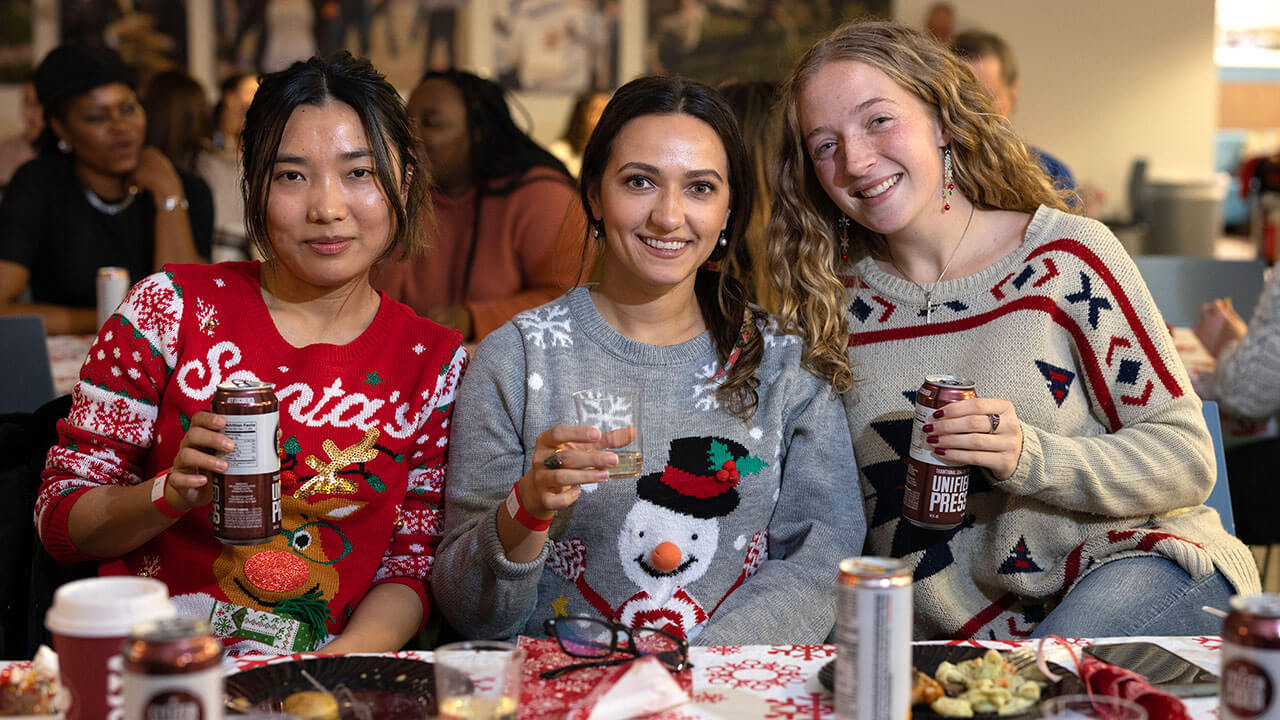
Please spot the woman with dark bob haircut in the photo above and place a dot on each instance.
(735, 526)
(365, 390)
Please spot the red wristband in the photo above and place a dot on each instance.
(159, 500)
(517, 512)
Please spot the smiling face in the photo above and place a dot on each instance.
(327, 217)
(663, 199)
(105, 128)
(875, 147)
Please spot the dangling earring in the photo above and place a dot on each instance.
(947, 185)
(595, 231)
(64, 146)
(724, 240)
(843, 224)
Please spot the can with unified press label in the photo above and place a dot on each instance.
(873, 639)
(936, 492)
(1249, 684)
(246, 498)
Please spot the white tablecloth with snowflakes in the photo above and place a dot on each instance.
(769, 682)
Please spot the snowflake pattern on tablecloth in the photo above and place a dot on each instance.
(754, 674)
(813, 706)
(725, 650)
(804, 652)
(707, 697)
(546, 327)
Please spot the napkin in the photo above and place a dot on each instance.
(636, 689)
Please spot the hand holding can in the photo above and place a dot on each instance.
(246, 494)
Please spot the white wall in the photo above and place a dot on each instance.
(1104, 81)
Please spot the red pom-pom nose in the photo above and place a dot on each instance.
(666, 557)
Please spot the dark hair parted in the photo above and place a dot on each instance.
(355, 83)
(723, 300)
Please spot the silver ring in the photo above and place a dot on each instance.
(995, 422)
(553, 461)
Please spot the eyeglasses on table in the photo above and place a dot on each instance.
(587, 637)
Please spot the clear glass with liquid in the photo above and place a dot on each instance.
(471, 707)
(478, 680)
(616, 413)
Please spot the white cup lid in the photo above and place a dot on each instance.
(107, 606)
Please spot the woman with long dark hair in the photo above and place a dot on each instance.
(733, 531)
(365, 390)
(506, 221)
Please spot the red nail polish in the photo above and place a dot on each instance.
(940, 451)
(927, 428)
(932, 439)
(938, 413)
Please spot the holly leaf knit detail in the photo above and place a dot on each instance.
(292, 446)
(719, 454)
(184, 421)
(375, 482)
(750, 465)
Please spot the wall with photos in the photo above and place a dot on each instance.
(1104, 82)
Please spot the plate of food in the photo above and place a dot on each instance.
(951, 681)
(337, 688)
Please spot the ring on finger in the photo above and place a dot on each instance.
(995, 422)
(553, 461)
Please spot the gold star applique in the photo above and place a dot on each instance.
(561, 606)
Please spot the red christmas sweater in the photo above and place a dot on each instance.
(364, 428)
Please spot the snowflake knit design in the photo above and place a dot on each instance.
(546, 327)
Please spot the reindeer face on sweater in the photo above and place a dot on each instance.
(299, 562)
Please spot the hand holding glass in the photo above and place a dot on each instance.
(615, 412)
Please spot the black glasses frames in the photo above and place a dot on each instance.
(587, 637)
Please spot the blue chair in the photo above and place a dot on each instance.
(1220, 496)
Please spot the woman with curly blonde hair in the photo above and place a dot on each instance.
(913, 228)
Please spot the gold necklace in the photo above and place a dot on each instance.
(928, 294)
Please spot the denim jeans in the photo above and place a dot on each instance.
(1147, 595)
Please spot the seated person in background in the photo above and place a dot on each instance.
(743, 509)
(1090, 460)
(1246, 380)
(18, 149)
(365, 390)
(506, 221)
(993, 64)
(95, 197)
(582, 120)
(178, 120)
(220, 167)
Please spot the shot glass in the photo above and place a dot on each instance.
(478, 680)
(615, 412)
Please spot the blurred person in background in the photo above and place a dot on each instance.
(507, 224)
(17, 149)
(178, 121)
(582, 120)
(220, 167)
(996, 69)
(95, 197)
(755, 103)
(940, 21)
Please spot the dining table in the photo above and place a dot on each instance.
(765, 682)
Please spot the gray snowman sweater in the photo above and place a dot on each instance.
(760, 512)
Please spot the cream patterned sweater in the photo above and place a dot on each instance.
(1116, 460)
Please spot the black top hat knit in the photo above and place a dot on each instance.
(700, 478)
(71, 70)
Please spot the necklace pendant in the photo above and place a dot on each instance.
(928, 307)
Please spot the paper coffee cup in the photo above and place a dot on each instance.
(89, 619)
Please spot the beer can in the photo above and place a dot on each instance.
(113, 285)
(246, 498)
(1249, 681)
(873, 639)
(172, 669)
(936, 492)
